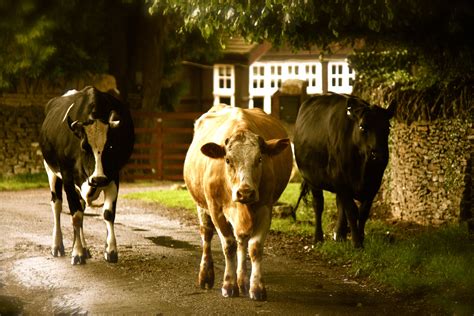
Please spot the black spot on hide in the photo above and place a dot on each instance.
(109, 216)
(54, 197)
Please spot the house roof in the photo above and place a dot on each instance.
(238, 50)
(285, 53)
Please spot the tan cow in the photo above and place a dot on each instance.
(236, 168)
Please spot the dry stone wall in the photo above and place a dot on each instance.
(21, 117)
(429, 177)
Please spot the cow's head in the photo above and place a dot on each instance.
(244, 154)
(93, 135)
(371, 127)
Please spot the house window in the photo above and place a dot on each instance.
(224, 84)
(267, 77)
(257, 77)
(258, 102)
(225, 100)
(313, 76)
(340, 77)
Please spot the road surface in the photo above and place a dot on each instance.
(159, 255)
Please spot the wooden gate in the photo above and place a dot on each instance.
(161, 143)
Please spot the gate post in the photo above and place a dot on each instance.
(159, 151)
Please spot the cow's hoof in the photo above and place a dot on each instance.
(58, 251)
(258, 294)
(75, 260)
(243, 286)
(318, 240)
(87, 253)
(206, 276)
(230, 290)
(111, 257)
(339, 237)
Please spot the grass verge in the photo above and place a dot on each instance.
(23, 181)
(168, 198)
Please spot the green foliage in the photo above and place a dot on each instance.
(23, 181)
(384, 68)
(305, 214)
(169, 198)
(430, 261)
(52, 39)
(424, 88)
(304, 23)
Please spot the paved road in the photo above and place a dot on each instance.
(157, 270)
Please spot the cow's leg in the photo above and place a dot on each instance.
(242, 278)
(364, 212)
(352, 214)
(110, 203)
(340, 233)
(229, 247)
(77, 212)
(206, 269)
(262, 225)
(318, 207)
(56, 187)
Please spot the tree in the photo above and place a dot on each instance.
(51, 39)
(414, 45)
(59, 40)
(167, 43)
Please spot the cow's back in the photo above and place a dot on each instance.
(322, 141)
(216, 126)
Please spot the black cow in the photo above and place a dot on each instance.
(341, 145)
(86, 138)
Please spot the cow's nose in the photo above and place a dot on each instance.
(98, 181)
(246, 195)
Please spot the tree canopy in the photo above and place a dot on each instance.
(408, 45)
(303, 23)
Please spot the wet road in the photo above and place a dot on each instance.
(157, 269)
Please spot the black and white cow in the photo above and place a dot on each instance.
(86, 138)
(341, 145)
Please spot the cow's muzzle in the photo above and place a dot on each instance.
(99, 181)
(246, 195)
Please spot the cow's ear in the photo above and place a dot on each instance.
(354, 109)
(274, 146)
(213, 150)
(392, 108)
(114, 119)
(76, 127)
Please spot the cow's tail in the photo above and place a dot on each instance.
(304, 190)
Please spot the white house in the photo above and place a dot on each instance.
(249, 75)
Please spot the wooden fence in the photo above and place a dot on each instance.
(161, 143)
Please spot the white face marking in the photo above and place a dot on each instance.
(244, 167)
(96, 137)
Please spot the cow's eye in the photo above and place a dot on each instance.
(227, 161)
(363, 128)
(260, 159)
